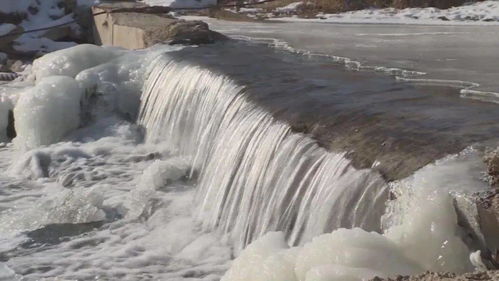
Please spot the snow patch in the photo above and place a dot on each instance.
(6, 28)
(289, 8)
(182, 3)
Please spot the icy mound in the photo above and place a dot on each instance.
(111, 79)
(118, 82)
(71, 61)
(47, 112)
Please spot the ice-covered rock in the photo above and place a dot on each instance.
(47, 111)
(70, 62)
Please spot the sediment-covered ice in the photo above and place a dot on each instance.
(47, 111)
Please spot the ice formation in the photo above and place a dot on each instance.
(270, 186)
(421, 234)
(65, 82)
(48, 111)
(70, 62)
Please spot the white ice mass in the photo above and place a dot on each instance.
(48, 111)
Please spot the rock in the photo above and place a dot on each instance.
(183, 32)
(3, 58)
(137, 26)
(14, 18)
(5, 41)
(492, 160)
(488, 215)
(16, 66)
(58, 33)
(478, 217)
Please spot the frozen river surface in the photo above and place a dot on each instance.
(464, 54)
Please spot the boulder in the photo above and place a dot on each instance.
(488, 217)
(492, 160)
(183, 32)
(478, 217)
(135, 26)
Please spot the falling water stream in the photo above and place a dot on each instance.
(255, 175)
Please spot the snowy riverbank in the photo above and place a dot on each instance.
(483, 13)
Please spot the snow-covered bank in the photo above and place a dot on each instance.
(482, 13)
(29, 15)
(476, 13)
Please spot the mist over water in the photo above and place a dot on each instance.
(206, 175)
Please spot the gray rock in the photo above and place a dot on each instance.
(136, 26)
(183, 32)
(492, 160)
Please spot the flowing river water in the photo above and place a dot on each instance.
(185, 156)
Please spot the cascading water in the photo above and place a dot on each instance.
(217, 173)
(255, 175)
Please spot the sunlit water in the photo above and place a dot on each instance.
(204, 172)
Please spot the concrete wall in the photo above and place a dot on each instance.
(108, 32)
